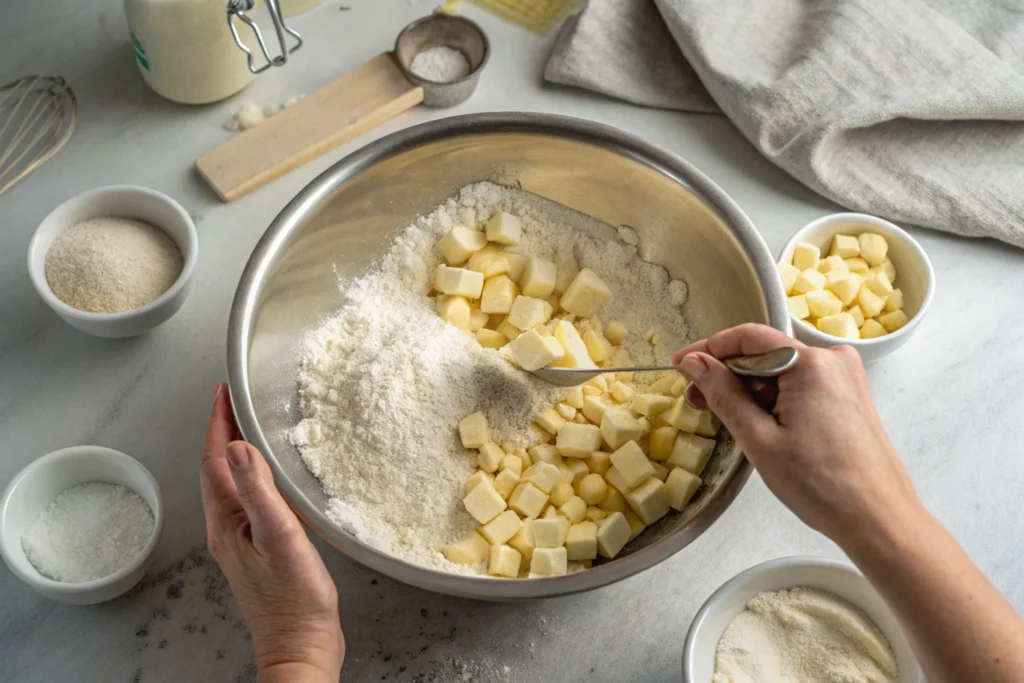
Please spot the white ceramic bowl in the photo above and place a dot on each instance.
(839, 578)
(123, 201)
(914, 276)
(33, 489)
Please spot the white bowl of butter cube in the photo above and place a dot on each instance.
(856, 279)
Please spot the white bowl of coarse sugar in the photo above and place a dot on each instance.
(809, 618)
(115, 261)
(80, 525)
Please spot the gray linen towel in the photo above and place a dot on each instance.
(908, 109)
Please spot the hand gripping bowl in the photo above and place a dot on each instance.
(345, 219)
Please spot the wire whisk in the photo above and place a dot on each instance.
(37, 117)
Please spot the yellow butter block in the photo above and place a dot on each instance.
(845, 246)
(805, 256)
(460, 243)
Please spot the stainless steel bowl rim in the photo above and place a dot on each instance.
(244, 308)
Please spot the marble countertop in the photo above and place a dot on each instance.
(950, 399)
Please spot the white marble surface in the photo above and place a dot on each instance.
(950, 399)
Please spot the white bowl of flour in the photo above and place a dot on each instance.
(833, 609)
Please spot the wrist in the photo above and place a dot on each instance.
(885, 532)
(296, 672)
(316, 653)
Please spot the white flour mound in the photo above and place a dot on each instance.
(803, 635)
(384, 383)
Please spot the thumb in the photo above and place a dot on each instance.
(730, 401)
(271, 521)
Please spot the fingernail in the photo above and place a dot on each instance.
(694, 367)
(238, 454)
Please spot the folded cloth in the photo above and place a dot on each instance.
(912, 110)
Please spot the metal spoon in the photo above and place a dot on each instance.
(771, 364)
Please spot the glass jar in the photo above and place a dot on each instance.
(185, 50)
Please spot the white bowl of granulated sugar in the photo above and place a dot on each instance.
(80, 525)
(115, 261)
(797, 618)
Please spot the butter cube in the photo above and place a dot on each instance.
(873, 248)
(512, 462)
(562, 492)
(599, 381)
(578, 440)
(523, 541)
(595, 514)
(549, 561)
(872, 329)
(636, 525)
(504, 228)
(841, 325)
(663, 385)
(587, 294)
(870, 303)
(893, 320)
(516, 265)
(527, 499)
(456, 311)
(613, 501)
(490, 457)
(878, 283)
(857, 264)
(845, 246)
(833, 265)
(846, 289)
(680, 487)
(679, 386)
(460, 243)
(691, 452)
(578, 468)
(620, 392)
(856, 314)
(575, 351)
(616, 332)
(798, 307)
(617, 480)
(501, 528)
(592, 489)
(490, 339)
(894, 301)
(594, 408)
(490, 261)
(506, 482)
(651, 405)
(708, 425)
(575, 398)
(566, 411)
(510, 331)
(498, 294)
(662, 440)
(458, 281)
(660, 471)
(805, 256)
(527, 312)
(822, 302)
(619, 427)
(581, 541)
(808, 281)
(477, 319)
(521, 452)
(598, 347)
(645, 425)
(473, 430)
(599, 461)
(567, 270)
(504, 561)
(476, 478)
(469, 549)
(538, 277)
(550, 421)
(613, 533)
(683, 416)
(631, 463)
(649, 500)
(789, 273)
(484, 502)
(550, 533)
(544, 453)
(543, 475)
(532, 350)
(574, 509)
(888, 268)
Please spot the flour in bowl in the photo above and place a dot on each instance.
(384, 382)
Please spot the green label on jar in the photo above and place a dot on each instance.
(140, 51)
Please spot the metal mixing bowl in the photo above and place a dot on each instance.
(344, 220)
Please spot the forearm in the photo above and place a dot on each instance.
(961, 628)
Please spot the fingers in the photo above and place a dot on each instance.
(220, 501)
(726, 396)
(744, 340)
(270, 518)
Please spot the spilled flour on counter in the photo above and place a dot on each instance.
(384, 382)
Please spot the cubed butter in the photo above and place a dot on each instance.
(805, 256)
(581, 541)
(888, 268)
(873, 248)
(512, 462)
(490, 261)
(510, 331)
(501, 528)
(575, 398)
(550, 533)
(708, 425)
(469, 549)
(893, 320)
(550, 420)
(683, 416)
(822, 302)
(586, 295)
(578, 468)
(616, 332)
(894, 301)
(594, 408)
(578, 440)
(599, 461)
(532, 350)
(595, 514)
(845, 246)
(498, 294)
(847, 288)
(679, 386)
(574, 509)
(833, 265)
(691, 452)
(857, 314)
(618, 427)
(789, 273)
(680, 487)
(504, 228)
(613, 501)
(506, 482)
(808, 281)
(857, 264)
(477, 319)
(484, 502)
(458, 281)
(543, 475)
(651, 405)
(491, 339)
(592, 489)
(662, 440)
(663, 385)
(490, 457)
(456, 311)
(798, 307)
(617, 480)
(473, 430)
(523, 541)
(621, 392)
(660, 471)
(872, 329)
(460, 243)
(527, 312)
(516, 265)
(574, 350)
(649, 500)
(538, 278)
(504, 561)
(562, 492)
(549, 561)
(598, 347)
(842, 325)
(527, 500)
(566, 411)
(631, 463)
(544, 453)
(870, 303)
(475, 479)
(613, 533)
(878, 283)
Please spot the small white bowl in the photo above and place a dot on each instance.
(838, 578)
(35, 487)
(914, 277)
(122, 201)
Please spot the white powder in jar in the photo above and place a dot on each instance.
(385, 381)
(88, 532)
(441, 64)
